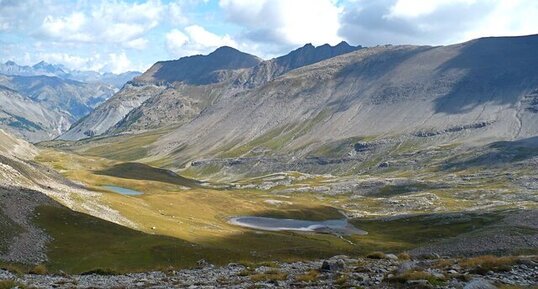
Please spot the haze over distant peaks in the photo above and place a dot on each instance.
(58, 70)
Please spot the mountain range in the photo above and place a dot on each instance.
(58, 70)
(314, 99)
(173, 92)
(394, 155)
(55, 97)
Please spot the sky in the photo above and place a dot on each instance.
(122, 35)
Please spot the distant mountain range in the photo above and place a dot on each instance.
(42, 101)
(58, 70)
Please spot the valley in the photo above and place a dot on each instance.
(425, 152)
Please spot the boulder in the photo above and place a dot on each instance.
(391, 257)
(333, 266)
(479, 284)
(406, 266)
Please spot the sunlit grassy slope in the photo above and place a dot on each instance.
(178, 221)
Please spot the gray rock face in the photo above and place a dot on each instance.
(306, 55)
(54, 100)
(479, 284)
(110, 113)
(70, 96)
(29, 119)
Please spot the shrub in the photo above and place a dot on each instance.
(341, 280)
(271, 275)
(483, 264)
(39, 270)
(9, 284)
(246, 272)
(376, 255)
(443, 263)
(417, 275)
(13, 269)
(309, 276)
(404, 256)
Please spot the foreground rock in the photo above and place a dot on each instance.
(339, 271)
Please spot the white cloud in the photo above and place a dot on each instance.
(176, 14)
(139, 43)
(107, 22)
(515, 17)
(195, 40)
(67, 28)
(414, 22)
(118, 63)
(116, 34)
(111, 62)
(416, 8)
(286, 23)
(176, 40)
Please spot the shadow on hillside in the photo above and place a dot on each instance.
(369, 71)
(495, 70)
(497, 153)
(139, 171)
(82, 243)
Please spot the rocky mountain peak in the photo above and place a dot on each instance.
(50, 68)
(225, 51)
(199, 69)
(309, 54)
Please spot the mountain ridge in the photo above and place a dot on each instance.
(43, 68)
(210, 84)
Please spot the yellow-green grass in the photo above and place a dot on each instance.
(177, 226)
(83, 243)
(122, 147)
(9, 284)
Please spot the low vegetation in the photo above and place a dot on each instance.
(271, 275)
(40, 269)
(10, 284)
(376, 255)
(417, 275)
(308, 277)
(484, 264)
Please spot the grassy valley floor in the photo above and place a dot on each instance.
(178, 221)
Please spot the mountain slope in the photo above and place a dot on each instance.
(191, 84)
(199, 69)
(166, 78)
(306, 55)
(29, 119)
(478, 91)
(73, 97)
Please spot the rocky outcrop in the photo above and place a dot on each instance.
(28, 119)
